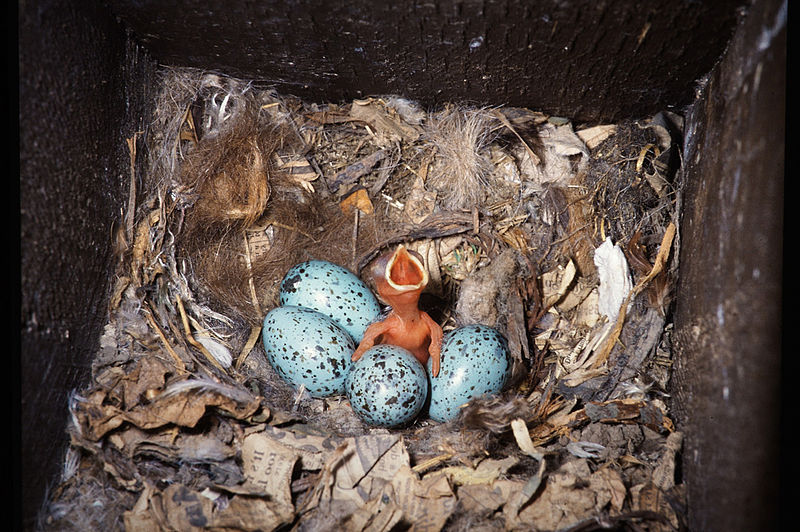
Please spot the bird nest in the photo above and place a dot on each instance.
(559, 235)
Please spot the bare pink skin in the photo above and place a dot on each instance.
(400, 278)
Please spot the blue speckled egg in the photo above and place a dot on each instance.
(474, 362)
(387, 386)
(308, 348)
(334, 291)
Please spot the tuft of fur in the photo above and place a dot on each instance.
(409, 110)
(459, 139)
(226, 177)
(495, 414)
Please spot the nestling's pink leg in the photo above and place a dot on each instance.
(435, 347)
(370, 335)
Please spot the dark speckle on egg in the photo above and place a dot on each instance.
(387, 386)
(474, 362)
(298, 344)
(332, 290)
(290, 282)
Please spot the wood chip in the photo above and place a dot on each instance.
(594, 136)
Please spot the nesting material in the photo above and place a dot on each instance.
(187, 426)
(615, 279)
(460, 139)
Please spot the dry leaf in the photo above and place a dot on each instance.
(367, 463)
(459, 263)
(141, 247)
(426, 503)
(557, 167)
(387, 127)
(556, 282)
(182, 403)
(504, 120)
(608, 486)
(484, 499)
(420, 202)
(664, 473)
(187, 509)
(519, 498)
(329, 117)
(359, 200)
(486, 472)
(573, 493)
(171, 445)
(300, 171)
(429, 250)
(357, 170)
(148, 376)
(379, 515)
(649, 497)
(140, 518)
(523, 438)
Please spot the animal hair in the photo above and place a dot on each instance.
(494, 414)
(460, 138)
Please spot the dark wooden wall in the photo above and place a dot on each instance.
(83, 88)
(728, 316)
(588, 60)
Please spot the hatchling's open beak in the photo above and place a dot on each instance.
(404, 271)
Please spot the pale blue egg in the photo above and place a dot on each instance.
(387, 386)
(474, 362)
(307, 348)
(334, 291)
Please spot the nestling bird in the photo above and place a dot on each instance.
(400, 277)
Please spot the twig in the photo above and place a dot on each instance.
(190, 338)
(292, 228)
(431, 462)
(356, 212)
(386, 171)
(560, 241)
(178, 362)
(250, 283)
(255, 332)
(352, 173)
(129, 216)
(534, 158)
